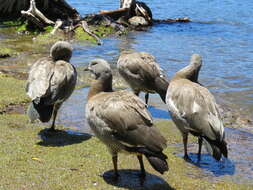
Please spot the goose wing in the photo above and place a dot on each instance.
(140, 66)
(63, 81)
(51, 81)
(196, 107)
(39, 79)
(127, 119)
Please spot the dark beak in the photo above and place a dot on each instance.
(86, 69)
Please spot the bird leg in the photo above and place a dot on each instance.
(146, 97)
(185, 139)
(143, 172)
(115, 165)
(56, 107)
(200, 140)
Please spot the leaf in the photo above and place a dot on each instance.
(36, 159)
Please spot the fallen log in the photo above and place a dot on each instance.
(169, 21)
(36, 17)
(115, 14)
(52, 9)
(87, 30)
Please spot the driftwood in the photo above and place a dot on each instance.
(57, 25)
(115, 14)
(35, 16)
(40, 20)
(168, 21)
(87, 30)
(62, 15)
(52, 9)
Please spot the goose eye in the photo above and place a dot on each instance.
(93, 63)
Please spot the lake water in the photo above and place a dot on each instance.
(220, 31)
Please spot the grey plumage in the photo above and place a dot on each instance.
(61, 51)
(122, 122)
(142, 73)
(194, 110)
(51, 81)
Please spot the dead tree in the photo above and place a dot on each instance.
(52, 9)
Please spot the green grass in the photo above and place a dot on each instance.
(7, 52)
(12, 91)
(64, 161)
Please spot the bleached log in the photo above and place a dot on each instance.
(86, 29)
(35, 16)
(57, 25)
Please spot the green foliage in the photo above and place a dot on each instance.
(7, 52)
(81, 35)
(12, 23)
(48, 29)
(100, 31)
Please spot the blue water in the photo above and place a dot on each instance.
(220, 31)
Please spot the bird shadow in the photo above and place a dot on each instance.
(61, 137)
(130, 179)
(158, 113)
(209, 164)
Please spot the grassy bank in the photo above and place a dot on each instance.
(12, 92)
(30, 158)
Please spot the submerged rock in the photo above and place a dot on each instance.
(138, 21)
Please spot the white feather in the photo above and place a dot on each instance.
(195, 108)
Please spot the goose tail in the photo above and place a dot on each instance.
(40, 111)
(156, 159)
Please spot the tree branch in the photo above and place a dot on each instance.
(36, 16)
(87, 30)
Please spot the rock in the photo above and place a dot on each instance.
(138, 21)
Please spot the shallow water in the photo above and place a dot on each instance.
(239, 165)
(219, 31)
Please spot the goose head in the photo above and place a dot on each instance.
(100, 68)
(103, 75)
(61, 50)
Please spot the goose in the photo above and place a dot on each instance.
(142, 73)
(121, 121)
(51, 81)
(194, 110)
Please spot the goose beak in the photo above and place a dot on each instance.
(90, 70)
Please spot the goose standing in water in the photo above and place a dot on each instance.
(122, 122)
(51, 81)
(194, 110)
(142, 73)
